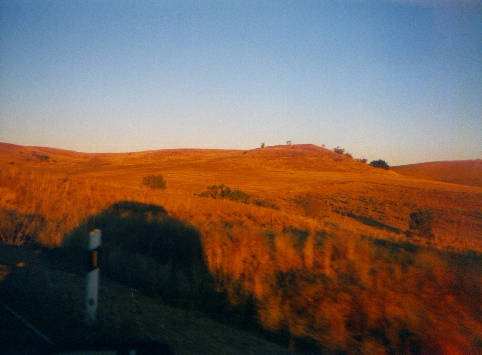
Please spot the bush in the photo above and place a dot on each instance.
(41, 157)
(421, 223)
(339, 150)
(380, 164)
(19, 228)
(223, 191)
(154, 181)
(268, 204)
(362, 160)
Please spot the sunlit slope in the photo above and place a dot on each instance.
(310, 185)
(465, 172)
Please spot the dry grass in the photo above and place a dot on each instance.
(312, 287)
(72, 186)
(465, 172)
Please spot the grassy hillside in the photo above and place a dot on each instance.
(466, 172)
(328, 250)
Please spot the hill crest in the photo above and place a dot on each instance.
(463, 172)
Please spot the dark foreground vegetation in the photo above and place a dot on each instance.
(157, 255)
(19, 228)
(148, 260)
(313, 291)
(43, 288)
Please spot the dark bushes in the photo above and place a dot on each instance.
(19, 228)
(154, 181)
(225, 192)
(41, 157)
(421, 223)
(380, 164)
(263, 203)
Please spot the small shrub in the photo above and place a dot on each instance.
(380, 164)
(41, 157)
(267, 204)
(19, 228)
(348, 155)
(154, 181)
(362, 160)
(237, 195)
(223, 191)
(339, 150)
(421, 223)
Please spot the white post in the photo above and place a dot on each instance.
(92, 284)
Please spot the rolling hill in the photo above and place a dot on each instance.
(464, 172)
(319, 246)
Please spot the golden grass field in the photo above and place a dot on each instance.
(465, 172)
(351, 283)
(71, 186)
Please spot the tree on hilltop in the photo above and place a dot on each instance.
(380, 164)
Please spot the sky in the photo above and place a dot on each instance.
(399, 80)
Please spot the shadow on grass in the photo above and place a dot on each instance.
(369, 221)
(144, 251)
(155, 255)
(41, 311)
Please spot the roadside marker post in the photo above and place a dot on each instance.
(92, 283)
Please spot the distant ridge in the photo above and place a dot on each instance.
(464, 172)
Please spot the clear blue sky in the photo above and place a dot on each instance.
(399, 80)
